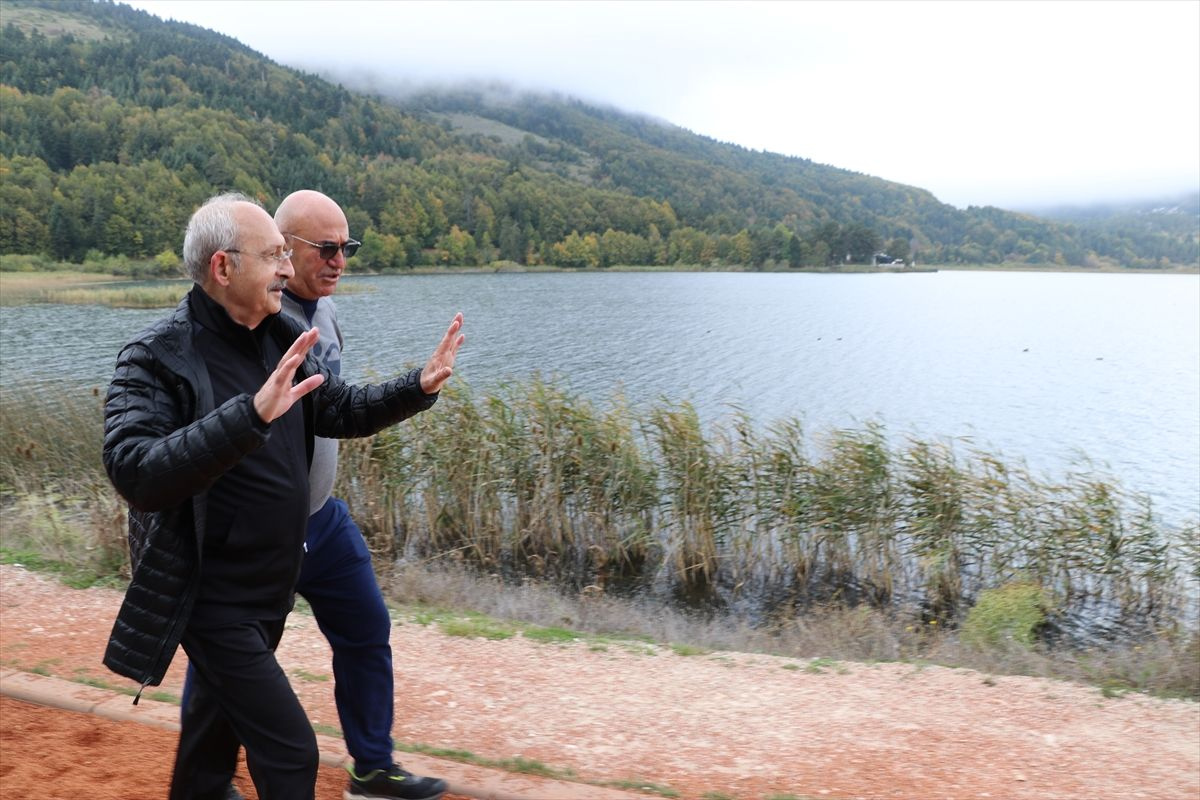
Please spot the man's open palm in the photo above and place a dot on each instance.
(441, 364)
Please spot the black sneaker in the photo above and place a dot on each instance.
(394, 782)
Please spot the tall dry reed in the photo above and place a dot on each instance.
(55, 499)
(532, 481)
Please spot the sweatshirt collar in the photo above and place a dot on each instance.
(309, 307)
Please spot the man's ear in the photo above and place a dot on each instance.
(220, 268)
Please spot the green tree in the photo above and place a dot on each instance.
(798, 252)
(576, 251)
(860, 243)
(163, 115)
(619, 247)
(511, 242)
(64, 242)
(404, 215)
(381, 251)
(456, 247)
(168, 263)
(898, 248)
(741, 248)
(686, 246)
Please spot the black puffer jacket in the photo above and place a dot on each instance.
(165, 445)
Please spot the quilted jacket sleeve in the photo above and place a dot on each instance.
(155, 455)
(345, 411)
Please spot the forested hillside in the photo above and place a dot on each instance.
(114, 125)
(1156, 225)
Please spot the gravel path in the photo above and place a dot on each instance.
(725, 725)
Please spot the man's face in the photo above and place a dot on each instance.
(256, 286)
(315, 276)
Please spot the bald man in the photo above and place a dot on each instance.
(337, 578)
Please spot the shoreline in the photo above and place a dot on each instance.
(76, 287)
(17, 280)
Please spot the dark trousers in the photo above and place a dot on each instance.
(237, 693)
(339, 584)
(337, 580)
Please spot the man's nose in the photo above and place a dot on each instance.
(286, 269)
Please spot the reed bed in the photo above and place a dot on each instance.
(19, 282)
(78, 288)
(56, 504)
(531, 483)
(121, 297)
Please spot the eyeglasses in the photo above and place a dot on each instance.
(281, 256)
(330, 249)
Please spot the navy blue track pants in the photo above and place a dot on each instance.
(337, 580)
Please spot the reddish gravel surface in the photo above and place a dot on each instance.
(105, 760)
(725, 724)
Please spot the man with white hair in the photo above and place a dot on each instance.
(208, 433)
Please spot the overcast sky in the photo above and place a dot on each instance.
(1016, 104)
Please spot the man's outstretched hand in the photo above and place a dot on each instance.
(278, 394)
(441, 364)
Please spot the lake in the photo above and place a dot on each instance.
(1048, 368)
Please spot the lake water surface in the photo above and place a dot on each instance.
(1047, 368)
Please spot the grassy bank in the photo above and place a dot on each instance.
(87, 288)
(73, 287)
(842, 544)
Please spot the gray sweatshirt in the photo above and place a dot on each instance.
(328, 350)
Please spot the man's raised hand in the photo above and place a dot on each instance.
(441, 364)
(278, 394)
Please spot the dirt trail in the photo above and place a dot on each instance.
(108, 760)
(724, 724)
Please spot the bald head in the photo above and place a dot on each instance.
(309, 216)
(301, 208)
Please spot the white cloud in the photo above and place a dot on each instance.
(1001, 103)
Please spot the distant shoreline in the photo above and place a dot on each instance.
(856, 270)
(17, 283)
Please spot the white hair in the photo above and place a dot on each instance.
(211, 228)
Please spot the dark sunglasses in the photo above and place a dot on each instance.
(329, 249)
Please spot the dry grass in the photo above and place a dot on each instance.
(86, 288)
(24, 281)
(55, 500)
(1164, 664)
(127, 297)
(55, 23)
(17, 288)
